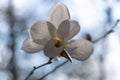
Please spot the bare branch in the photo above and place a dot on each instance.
(111, 30)
(35, 68)
(60, 65)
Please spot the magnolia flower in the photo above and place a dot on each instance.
(54, 36)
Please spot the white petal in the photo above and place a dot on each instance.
(80, 49)
(74, 29)
(51, 51)
(52, 29)
(58, 13)
(64, 29)
(31, 47)
(41, 31)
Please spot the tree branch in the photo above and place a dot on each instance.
(111, 30)
(35, 68)
(60, 65)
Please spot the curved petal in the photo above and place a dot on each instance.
(58, 13)
(41, 31)
(80, 49)
(74, 29)
(63, 29)
(31, 47)
(52, 29)
(50, 50)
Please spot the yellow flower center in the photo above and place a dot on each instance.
(58, 43)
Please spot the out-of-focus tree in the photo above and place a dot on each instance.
(96, 18)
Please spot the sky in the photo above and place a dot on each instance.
(92, 17)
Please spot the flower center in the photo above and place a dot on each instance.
(58, 43)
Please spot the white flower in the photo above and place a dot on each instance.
(54, 36)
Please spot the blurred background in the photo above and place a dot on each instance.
(96, 18)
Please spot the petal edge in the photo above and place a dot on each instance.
(63, 29)
(58, 13)
(39, 31)
(31, 47)
(80, 49)
(74, 29)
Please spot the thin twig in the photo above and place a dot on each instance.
(34, 68)
(60, 65)
(49, 62)
(111, 30)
